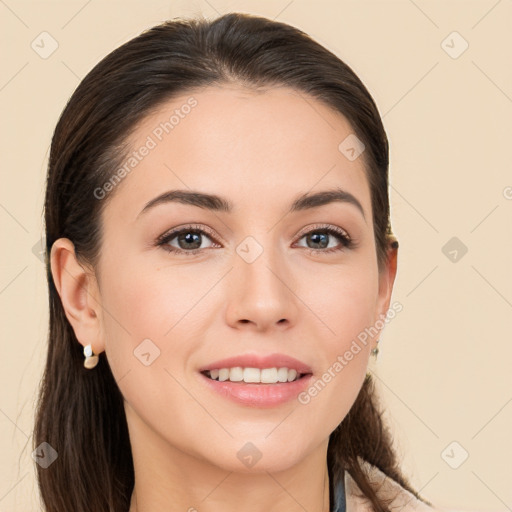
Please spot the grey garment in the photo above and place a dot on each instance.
(340, 504)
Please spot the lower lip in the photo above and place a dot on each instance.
(258, 395)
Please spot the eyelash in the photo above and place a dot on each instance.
(346, 241)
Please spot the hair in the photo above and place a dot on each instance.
(80, 412)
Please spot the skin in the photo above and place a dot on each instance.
(260, 151)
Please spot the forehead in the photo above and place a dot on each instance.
(260, 146)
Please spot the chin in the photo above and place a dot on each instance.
(257, 457)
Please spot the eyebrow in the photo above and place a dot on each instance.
(216, 203)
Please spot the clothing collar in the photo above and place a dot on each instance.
(339, 497)
(349, 498)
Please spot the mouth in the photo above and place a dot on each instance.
(254, 368)
(242, 385)
(266, 376)
(257, 380)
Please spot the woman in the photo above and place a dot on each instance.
(231, 374)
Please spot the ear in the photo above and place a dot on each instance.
(387, 279)
(79, 294)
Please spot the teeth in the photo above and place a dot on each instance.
(254, 375)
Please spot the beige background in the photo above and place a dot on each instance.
(444, 366)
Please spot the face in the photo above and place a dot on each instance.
(183, 285)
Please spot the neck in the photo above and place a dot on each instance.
(231, 497)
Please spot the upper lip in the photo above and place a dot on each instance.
(259, 361)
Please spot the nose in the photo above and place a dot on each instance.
(261, 293)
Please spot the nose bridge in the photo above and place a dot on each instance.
(260, 288)
(258, 261)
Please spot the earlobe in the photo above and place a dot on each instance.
(78, 293)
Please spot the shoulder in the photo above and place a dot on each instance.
(399, 499)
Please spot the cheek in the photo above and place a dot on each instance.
(150, 303)
(139, 309)
(343, 303)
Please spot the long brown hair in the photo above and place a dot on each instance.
(80, 413)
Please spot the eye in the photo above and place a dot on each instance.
(319, 236)
(188, 238)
